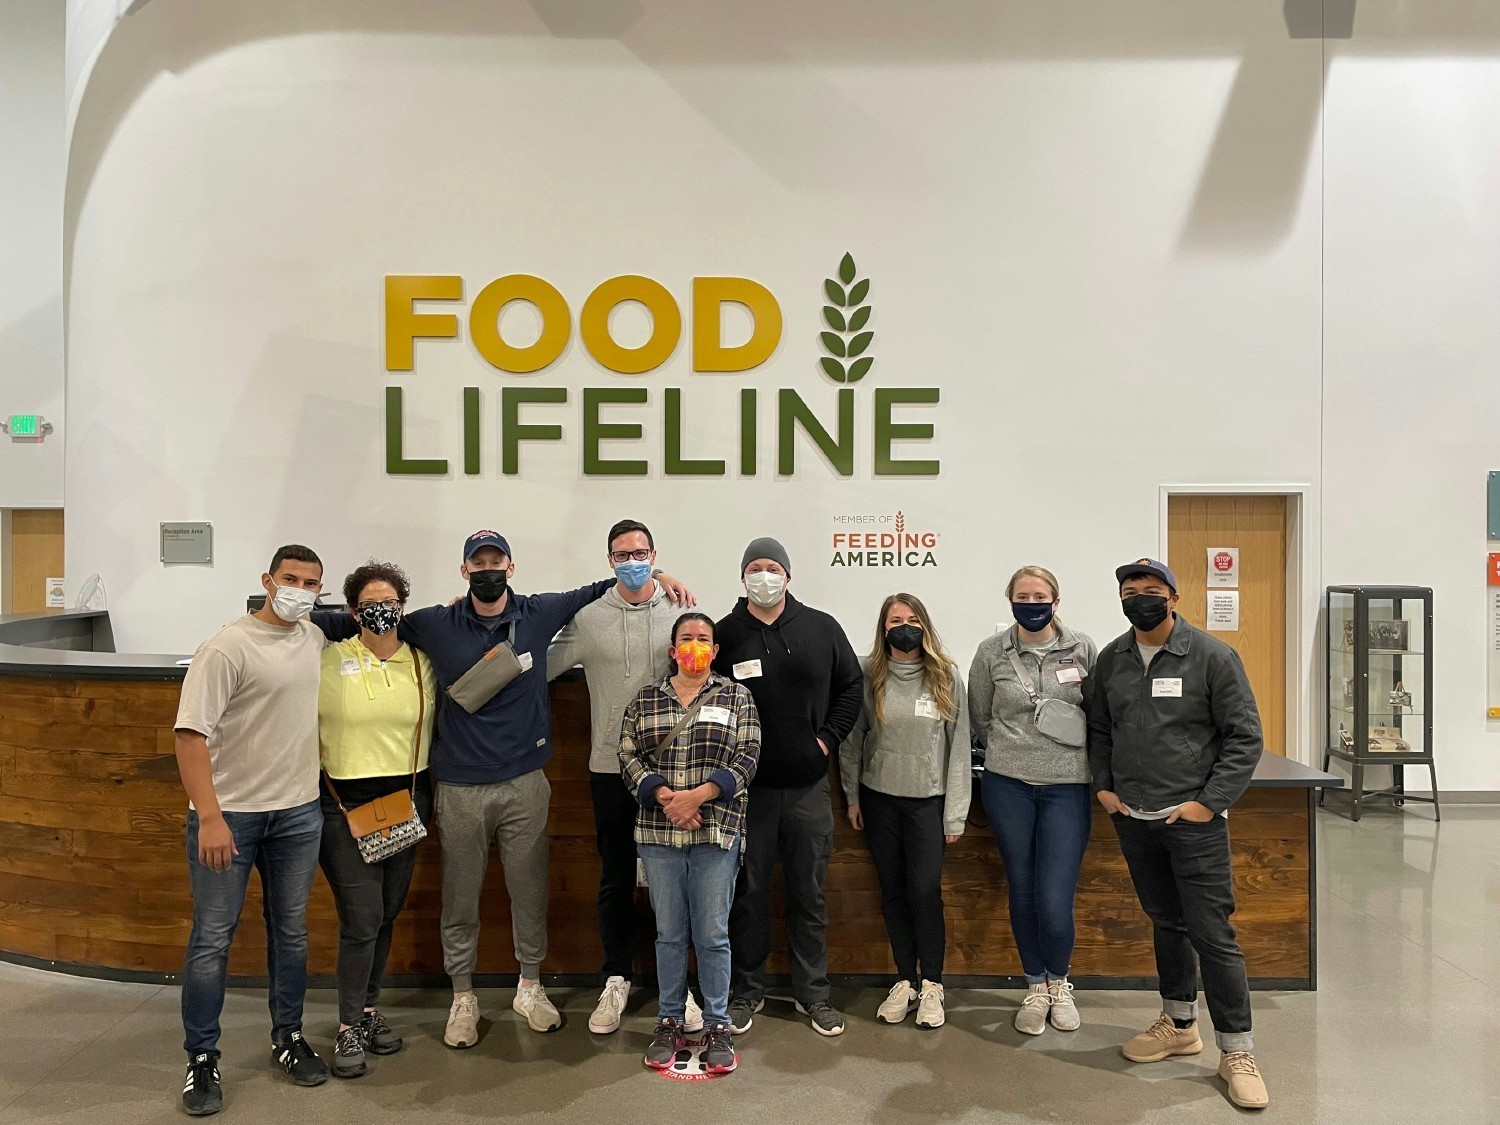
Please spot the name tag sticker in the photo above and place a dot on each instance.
(747, 669)
(1070, 675)
(525, 661)
(927, 709)
(349, 667)
(721, 715)
(1167, 688)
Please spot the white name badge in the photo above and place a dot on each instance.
(721, 715)
(525, 661)
(1167, 688)
(349, 667)
(747, 669)
(1070, 675)
(927, 709)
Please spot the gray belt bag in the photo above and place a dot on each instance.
(1061, 721)
(481, 683)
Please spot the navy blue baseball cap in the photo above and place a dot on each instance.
(1146, 566)
(490, 539)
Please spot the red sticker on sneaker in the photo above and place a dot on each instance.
(687, 1066)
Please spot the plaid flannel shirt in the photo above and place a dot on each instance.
(721, 745)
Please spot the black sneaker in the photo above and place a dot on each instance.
(718, 1050)
(741, 1009)
(349, 1053)
(201, 1092)
(379, 1038)
(826, 1019)
(664, 1044)
(299, 1060)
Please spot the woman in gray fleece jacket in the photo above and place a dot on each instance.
(905, 770)
(1035, 790)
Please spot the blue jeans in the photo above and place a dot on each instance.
(1042, 831)
(283, 847)
(692, 889)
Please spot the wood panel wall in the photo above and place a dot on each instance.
(92, 863)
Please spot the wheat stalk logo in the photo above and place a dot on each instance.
(846, 315)
(900, 522)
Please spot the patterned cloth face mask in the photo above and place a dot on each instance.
(694, 657)
(379, 619)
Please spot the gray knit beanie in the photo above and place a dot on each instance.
(766, 548)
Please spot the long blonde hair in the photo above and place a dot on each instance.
(1034, 572)
(937, 667)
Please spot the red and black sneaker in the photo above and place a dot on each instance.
(718, 1050)
(665, 1044)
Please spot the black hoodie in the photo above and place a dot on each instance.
(806, 682)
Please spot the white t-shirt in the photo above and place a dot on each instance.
(252, 691)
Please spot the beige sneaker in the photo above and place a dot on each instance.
(606, 1017)
(897, 1003)
(1032, 1018)
(692, 1015)
(463, 1021)
(531, 1001)
(1247, 1089)
(930, 1012)
(1064, 1013)
(1162, 1040)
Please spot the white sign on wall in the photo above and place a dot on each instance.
(56, 598)
(1223, 611)
(1224, 566)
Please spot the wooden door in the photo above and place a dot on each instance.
(1257, 525)
(36, 554)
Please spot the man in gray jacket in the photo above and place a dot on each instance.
(621, 641)
(1174, 737)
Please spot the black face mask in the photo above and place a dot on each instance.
(379, 619)
(904, 638)
(1145, 611)
(488, 586)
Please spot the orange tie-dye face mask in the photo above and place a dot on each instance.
(693, 657)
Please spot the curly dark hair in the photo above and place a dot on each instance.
(376, 571)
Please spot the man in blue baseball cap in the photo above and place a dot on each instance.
(1174, 736)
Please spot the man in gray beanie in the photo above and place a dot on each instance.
(808, 687)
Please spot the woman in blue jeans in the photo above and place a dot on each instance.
(689, 747)
(1035, 789)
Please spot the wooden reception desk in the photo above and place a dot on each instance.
(93, 880)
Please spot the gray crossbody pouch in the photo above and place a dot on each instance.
(1061, 721)
(481, 683)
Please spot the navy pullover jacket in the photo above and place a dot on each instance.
(510, 735)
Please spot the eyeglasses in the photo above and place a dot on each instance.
(389, 603)
(630, 556)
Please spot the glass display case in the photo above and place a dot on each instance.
(1379, 686)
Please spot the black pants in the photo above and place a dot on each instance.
(369, 897)
(614, 837)
(794, 826)
(905, 835)
(1183, 878)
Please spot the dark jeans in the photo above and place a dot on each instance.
(283, 847)
(614, 837)
(369, 897)
(794, 826)
(1183, 878)
(1042, 831)
(905, 835)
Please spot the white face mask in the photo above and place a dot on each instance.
(765, 588)
(291, 604)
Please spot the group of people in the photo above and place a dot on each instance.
(308, 737)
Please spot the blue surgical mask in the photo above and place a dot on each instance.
(1032, 616)
(633, 575)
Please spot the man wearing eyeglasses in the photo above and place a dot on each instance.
(621, 641)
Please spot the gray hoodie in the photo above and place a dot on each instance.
(914, 753)
(622, 648)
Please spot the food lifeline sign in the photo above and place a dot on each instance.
(412, 302)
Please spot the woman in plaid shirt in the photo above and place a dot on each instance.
(692, 784)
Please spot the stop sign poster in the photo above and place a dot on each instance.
(1223, 566)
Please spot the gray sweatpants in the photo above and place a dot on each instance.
(514, 814)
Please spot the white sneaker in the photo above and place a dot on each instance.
(1064, 1014)
(1032, 1018)
(463, 1021)
(930, 1012)
(692, 1017)
(607, 1012)
(897, 1003)
(531, 1001)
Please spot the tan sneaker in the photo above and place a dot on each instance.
(1162, 1040)
(463, 1021)
(531, 1001)
(606, 1017)
(930, 1012)
(898, 1002)
(1247, 1089)
(1032, 1018)
(1064, 1013)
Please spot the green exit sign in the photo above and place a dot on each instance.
(25, 425)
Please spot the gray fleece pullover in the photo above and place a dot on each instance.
(622, 648)
(915, 752)
(1003, 714)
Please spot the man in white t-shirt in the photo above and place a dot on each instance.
(247, 749)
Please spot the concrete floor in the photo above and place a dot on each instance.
(1404, 1029)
